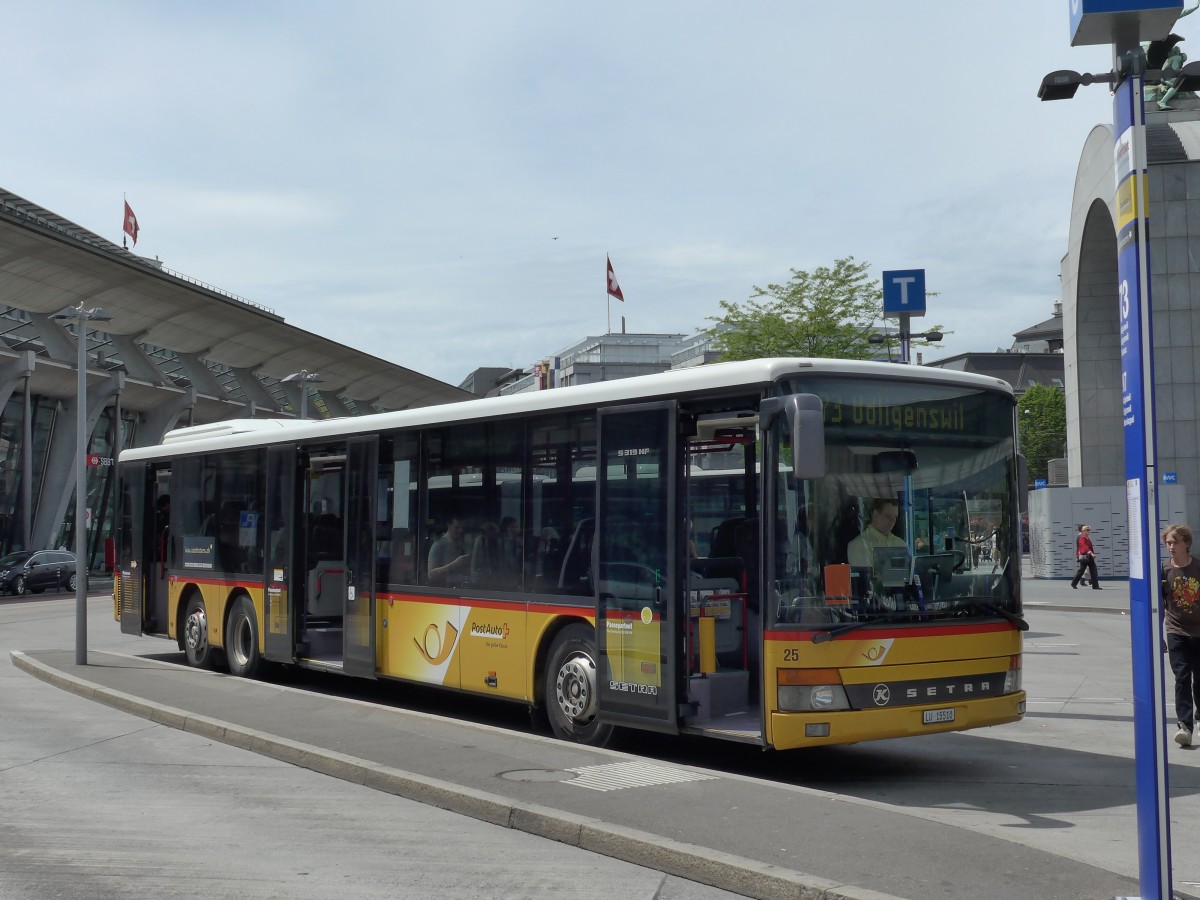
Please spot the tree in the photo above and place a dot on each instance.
(828, 312)
(1042, 413)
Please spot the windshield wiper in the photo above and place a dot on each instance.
(984, 606)
(822, 636)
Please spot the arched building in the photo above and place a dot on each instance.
(1095, 438)
(175, 352)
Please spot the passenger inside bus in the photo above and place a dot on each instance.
(449, 561)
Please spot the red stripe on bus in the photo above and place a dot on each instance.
(215, 582)
(924, 631)
(479, 603)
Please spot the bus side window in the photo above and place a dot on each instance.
(403, 559)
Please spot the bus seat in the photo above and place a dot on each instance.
(719, 567)
(725, 537)
(326, 588)
(576, 574)
(326, 539)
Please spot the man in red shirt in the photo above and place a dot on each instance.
(1087, 558)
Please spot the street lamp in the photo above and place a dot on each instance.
(304, 378)
(81, 316)
(905, 338)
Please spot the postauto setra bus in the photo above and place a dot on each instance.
(666, 552)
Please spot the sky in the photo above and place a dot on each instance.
(439, 183)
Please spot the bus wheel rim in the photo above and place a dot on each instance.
(575, 688)
(197, 630)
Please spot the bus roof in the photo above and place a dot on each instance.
(715, 378)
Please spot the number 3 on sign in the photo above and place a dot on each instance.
(1124, 299)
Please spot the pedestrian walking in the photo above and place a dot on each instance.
(1086, 554)
(1181, 615)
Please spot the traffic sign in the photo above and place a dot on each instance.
(904, 292)
(1170, 478)
(1039, 483)
(1104, 21)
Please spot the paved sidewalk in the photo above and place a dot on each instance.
(1057, 593)
(745, 835)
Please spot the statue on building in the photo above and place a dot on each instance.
(1166, 54)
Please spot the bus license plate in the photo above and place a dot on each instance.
(934, 716)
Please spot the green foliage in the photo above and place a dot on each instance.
(828, 312)
(1042, 413)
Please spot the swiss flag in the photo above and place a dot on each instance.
(614, 289)
(131, 225)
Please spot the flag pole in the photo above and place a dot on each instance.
(124, 240)
(614, 288)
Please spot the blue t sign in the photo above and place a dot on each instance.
(904, 292)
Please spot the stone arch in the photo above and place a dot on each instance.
(1091, 338)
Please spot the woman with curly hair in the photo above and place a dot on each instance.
(1181, 611)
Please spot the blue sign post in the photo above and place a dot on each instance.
(1124, 23)
(1141, 488)
(903, 298)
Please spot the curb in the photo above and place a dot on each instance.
(689, 861)
(1073, 607)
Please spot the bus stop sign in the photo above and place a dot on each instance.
(904, 292)
(1109, 21)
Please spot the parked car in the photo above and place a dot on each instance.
(37, 570)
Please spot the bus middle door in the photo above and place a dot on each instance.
(638, 596)
(358, 619)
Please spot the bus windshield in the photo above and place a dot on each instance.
(915, 518)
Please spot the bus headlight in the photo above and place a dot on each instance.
(812, 698)
(1012, 678)
(810, 690)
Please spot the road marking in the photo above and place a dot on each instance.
(616, 776)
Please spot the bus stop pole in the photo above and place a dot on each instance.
(81, 493)
(1138, 409)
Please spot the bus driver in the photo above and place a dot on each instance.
(860, 551)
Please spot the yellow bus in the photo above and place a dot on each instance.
(679, 552)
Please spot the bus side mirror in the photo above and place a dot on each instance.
(806, 413)
(805, 416)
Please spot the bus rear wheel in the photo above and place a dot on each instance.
(199, 651)
(241, 639)
(570, 691)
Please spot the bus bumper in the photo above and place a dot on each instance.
(791, 730)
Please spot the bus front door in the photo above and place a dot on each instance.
(638, 597)
(358, 619)
(279, 625)
(136, 540)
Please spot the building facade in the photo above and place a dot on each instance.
(170, 351)
(1095, 432)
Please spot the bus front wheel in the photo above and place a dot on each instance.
(570, 690)
(241, 639)
(199, 651)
